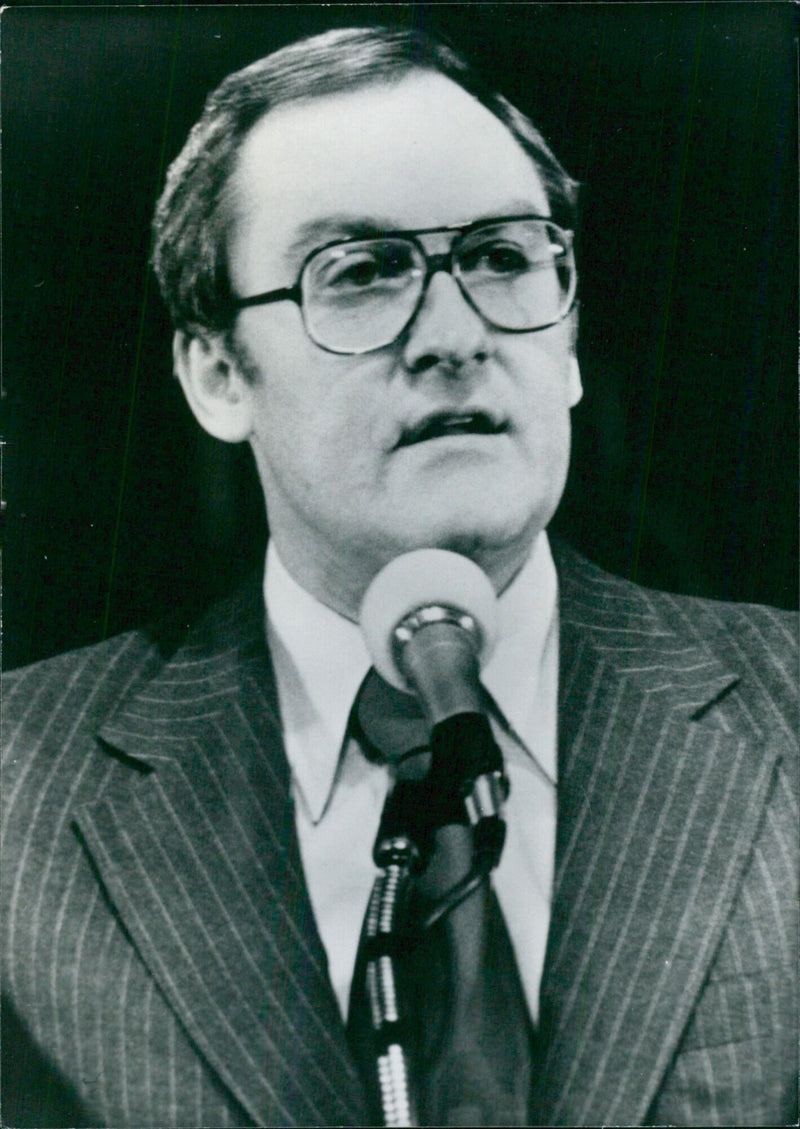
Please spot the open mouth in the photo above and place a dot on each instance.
(444, 424)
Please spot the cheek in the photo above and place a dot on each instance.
(546, 397)
(317, 439)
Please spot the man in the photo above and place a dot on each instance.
(367, 256)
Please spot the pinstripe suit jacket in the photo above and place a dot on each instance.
(162, 965)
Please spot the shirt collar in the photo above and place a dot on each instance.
(320, 660)
(522, 673)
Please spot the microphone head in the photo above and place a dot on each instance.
(421, 579)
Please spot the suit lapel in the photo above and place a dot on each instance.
(660, 795)
(197, 852)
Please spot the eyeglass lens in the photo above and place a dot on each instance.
(360, 295)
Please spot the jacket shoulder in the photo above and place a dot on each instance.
(747, 630)
(760, 644)
(53, 703)
(755, 639)
(756, 644)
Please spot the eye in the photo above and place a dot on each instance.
(496, 257)
(511, 250)
(363, 266)
(355, 270)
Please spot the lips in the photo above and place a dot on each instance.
(440, 425)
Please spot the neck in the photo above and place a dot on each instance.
(340, 586)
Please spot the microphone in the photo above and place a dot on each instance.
(429, 619)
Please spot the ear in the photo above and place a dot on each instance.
(574, 382)
(215, 389)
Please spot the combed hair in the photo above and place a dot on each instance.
(192, 217)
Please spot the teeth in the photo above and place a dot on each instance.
(458, 423)
(473, 423)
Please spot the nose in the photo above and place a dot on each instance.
(446, 330)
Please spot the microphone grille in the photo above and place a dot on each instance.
(420, 579)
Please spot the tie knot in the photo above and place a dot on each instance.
(390, 727)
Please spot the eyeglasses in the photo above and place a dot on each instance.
(356, 295)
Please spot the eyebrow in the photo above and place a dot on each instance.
(340, 225)
(344, 225)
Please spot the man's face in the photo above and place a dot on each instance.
(347, 488)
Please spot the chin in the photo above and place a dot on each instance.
(483, 538)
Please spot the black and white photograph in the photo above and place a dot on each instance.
(400, 565)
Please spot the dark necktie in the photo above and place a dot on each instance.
(460, 1014)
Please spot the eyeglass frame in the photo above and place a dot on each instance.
(444, 261)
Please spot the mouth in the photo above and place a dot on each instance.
(442, 425)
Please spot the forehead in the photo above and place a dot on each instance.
(420, 152)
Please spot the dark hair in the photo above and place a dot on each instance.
(191, 222)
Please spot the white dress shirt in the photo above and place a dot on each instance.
(320, 660)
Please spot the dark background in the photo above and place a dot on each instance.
(680, 119)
